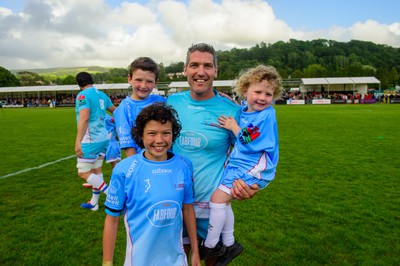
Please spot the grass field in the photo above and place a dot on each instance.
(335, 200)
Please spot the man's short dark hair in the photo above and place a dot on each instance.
(204, 48)
(83, 79)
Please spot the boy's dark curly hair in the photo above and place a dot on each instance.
(158, 111)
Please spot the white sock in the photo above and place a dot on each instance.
(216, 223)
(97, 182)
(227, 232)
(95, 196)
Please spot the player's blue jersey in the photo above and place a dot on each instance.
(151, 194)
(256, 150)
(125, 117)
(203, 142)
(98, 103)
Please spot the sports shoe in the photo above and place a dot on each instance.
(90, 206)
(206, 253)
(231, 252)
(87, 185)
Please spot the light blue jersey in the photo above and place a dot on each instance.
(125, 117)
(152, 195)
(98, 103)
(256, 150)
(202, 141)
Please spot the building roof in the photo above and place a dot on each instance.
(116, 86)
(340, 80)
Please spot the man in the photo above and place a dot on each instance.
(92, 138)
(202, 141)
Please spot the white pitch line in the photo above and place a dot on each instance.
(37, 167)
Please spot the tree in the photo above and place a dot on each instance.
(393, 78)
(30, 79)
(354, 70)
(69, 80)
(7, 79)
(297, 74)
(174, 68)
(315, 71)
(162, 76)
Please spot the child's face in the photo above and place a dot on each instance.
(259, 96)
(157, 140)
(143, 83)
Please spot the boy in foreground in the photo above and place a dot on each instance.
(154, 191)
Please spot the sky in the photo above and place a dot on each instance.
(112, 33)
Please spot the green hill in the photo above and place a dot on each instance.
(63, 71)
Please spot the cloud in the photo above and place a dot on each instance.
(60, 33)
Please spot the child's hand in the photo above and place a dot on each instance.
(195, 259)
(229, 123)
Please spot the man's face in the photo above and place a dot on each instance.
(200, 72)
(143, 83)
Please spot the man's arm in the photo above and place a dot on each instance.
(109, 238)
(83, 123)
(242, 191)
(112, 108)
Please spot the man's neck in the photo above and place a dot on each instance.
(202, 97)
(87, 86)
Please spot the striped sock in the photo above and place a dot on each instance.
(97, 182)
(95, 196)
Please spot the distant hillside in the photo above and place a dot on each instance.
(64, 71)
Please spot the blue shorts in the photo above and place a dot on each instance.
(92, 151)
(231, 174)
(113, 152)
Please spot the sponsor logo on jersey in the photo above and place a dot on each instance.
(114, 186)
(196, 107)
(160, 171)
(148, 185)
(164, 213)
(125, 129)
(113, 200)
(81, 100)
(131, 168)
(179, 186)
(191, 141)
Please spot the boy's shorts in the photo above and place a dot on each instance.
(231, 174)
(113, 152)
(202, 230)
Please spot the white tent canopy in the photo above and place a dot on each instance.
(345, 84)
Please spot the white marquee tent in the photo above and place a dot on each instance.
(340, 84)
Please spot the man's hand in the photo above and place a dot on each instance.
(242, 191)
(78, 150)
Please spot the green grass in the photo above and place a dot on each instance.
(335, 199)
